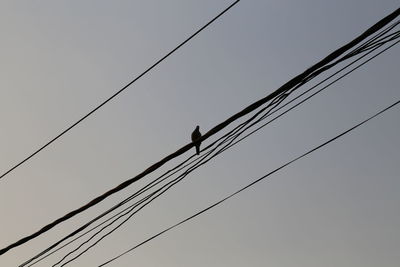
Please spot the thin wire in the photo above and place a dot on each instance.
(164, 189)
(147, 187)
(253, 183)
(283, 89)
(303, 100)
(230, 144)
(126, 183)
(258, 127)
(357, 50)
(371, 44)
(131, 197)
(373, 39)
(227, 146)
(118, 92)
(271, 112)
(154, 196)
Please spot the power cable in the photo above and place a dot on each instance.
(303, 100)
(220, 151)
(273, 111)
(284, 88)
(251, 184)
(117, 93)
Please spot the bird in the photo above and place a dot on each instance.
(196, 135)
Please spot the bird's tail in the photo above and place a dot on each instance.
(198, 149)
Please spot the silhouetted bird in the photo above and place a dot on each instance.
(196, 135)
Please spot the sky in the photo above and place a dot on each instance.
(60, 59)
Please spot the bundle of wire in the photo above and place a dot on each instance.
(122, 212)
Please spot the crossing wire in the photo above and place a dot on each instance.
(250, 185)
(131, 208)
(282, 90)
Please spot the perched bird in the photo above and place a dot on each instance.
(196, 135)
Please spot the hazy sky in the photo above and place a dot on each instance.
(59, 59)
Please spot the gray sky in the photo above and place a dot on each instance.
(59, 59)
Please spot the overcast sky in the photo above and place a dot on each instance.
(60, 59)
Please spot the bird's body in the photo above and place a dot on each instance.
(196, 135)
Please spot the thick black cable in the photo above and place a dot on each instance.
(252, 183)
(145, 201)
(370, 45)
(227, 146)
(302, 101)
(172, 183)
(163, 189)
(142, 190)
(381, 43)
(159, 192)
(271, 112)
(230, 144)
(147, 187)
(132, 212)
(21, 241)
(373, 39)
(287, 86)
(357, 50)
